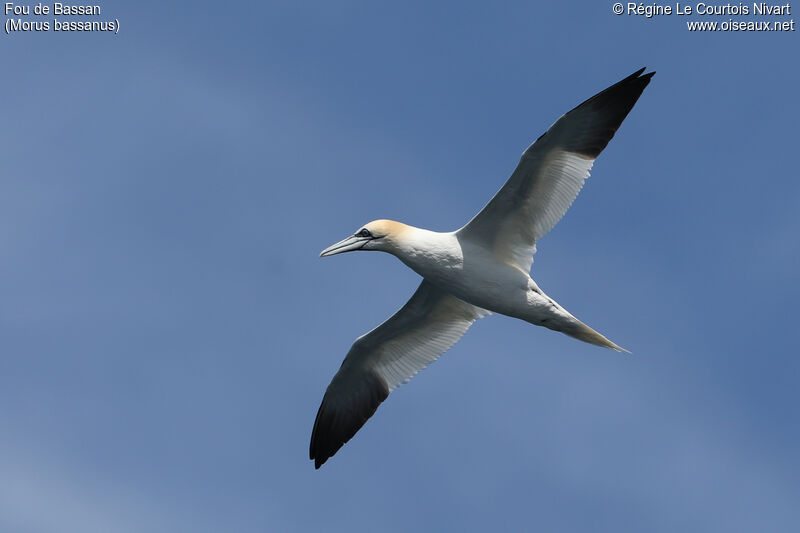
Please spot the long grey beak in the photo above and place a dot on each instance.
(347, 245)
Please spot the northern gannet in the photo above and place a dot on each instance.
(480, 269)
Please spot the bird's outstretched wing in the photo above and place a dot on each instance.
(386, 357)
(551, 174)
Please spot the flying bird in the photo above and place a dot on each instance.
(480, 269)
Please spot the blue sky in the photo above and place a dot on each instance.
(167, 329)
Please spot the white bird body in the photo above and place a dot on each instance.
(480, 269)
(470, 271)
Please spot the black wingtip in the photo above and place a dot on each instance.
(610, 107)
(638, 74)
(639, 77)
(338, 420)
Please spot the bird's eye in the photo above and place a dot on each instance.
(364, 233)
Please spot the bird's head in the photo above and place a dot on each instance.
(377, 235)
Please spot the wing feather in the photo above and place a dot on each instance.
(551, 173)
(385, 358)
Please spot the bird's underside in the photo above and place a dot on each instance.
(500, 237)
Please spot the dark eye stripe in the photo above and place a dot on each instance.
(364, 233)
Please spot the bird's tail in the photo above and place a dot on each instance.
(544, 311)
(584, 333)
